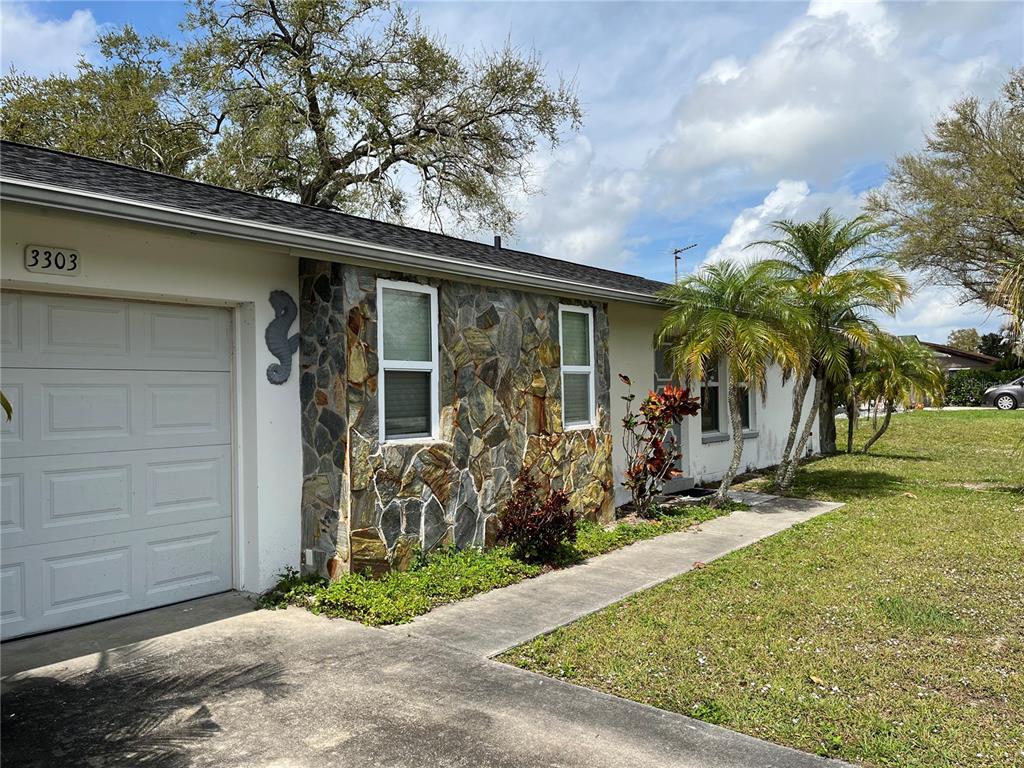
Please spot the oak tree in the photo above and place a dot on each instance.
(956, 209)
(346, 104)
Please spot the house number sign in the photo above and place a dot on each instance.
(51, 260)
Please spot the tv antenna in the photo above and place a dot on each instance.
(675, 255)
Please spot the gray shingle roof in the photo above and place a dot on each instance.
(74, 172)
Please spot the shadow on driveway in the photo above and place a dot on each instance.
(144, 716)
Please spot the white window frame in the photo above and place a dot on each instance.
(588, 369)
(430, 366)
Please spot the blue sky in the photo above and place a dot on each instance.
(703, 123)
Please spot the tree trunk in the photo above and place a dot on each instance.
(800, 388)
(827, 425)
(806, 434)
(851, 416)
(736, 426)
(889, 407)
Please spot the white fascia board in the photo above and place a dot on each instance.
(21, 191)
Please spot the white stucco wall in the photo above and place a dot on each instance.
(631, 351)
(631, 330)
(133, 261)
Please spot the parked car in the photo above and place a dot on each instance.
(1006, 397)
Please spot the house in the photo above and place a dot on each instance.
(951, 359)
(211, 386)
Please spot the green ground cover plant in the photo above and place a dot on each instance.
(889, 632)
(450, 575)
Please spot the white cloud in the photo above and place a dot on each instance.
(934, 311)
(36, 46)
(584, 210)
(722, 71)
(869, 17)
(838, 87)
(789, 200)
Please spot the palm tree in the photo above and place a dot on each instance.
(841, 282)
(742, 315)
(895, 372)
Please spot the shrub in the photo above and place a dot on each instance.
(968, 387)
(651, 450)
(536, 528)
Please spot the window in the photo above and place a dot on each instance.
(747, 407)
(407, 350)
(576, 325)
(714, 404)
(710, 401)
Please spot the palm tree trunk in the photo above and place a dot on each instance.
(799, 396)
(819, 394)
(851, 414)
(736, 426)
(890, 405)
(827, 426)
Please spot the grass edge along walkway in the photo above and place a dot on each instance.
(496, 621)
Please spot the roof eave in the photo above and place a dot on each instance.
(81, 201)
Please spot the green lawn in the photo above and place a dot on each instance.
(889, 632)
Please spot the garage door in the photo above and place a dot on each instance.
(116, 468)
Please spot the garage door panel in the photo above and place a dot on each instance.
(78, 327)
(194, 333)
(78, 411)
(85, 580)
(188, 407)
(10, 323)
(42, 331)
(45, 586)
(81, 495)
(74, 412)
(12, 503)
(189, 488)
(85, 497)
(13, 598)
(11, 431)
(184, 562)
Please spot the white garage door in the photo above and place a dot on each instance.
(116, 468)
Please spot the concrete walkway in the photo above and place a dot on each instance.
(496, 621)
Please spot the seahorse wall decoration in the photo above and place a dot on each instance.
(281, 345)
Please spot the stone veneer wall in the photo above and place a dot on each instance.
(323, 393)
(500, 391)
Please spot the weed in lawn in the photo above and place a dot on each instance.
(917, 615)
(709, 711)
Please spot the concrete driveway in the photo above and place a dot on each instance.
(286, 688)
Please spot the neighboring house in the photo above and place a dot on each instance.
(951, 359)
(166, 444)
